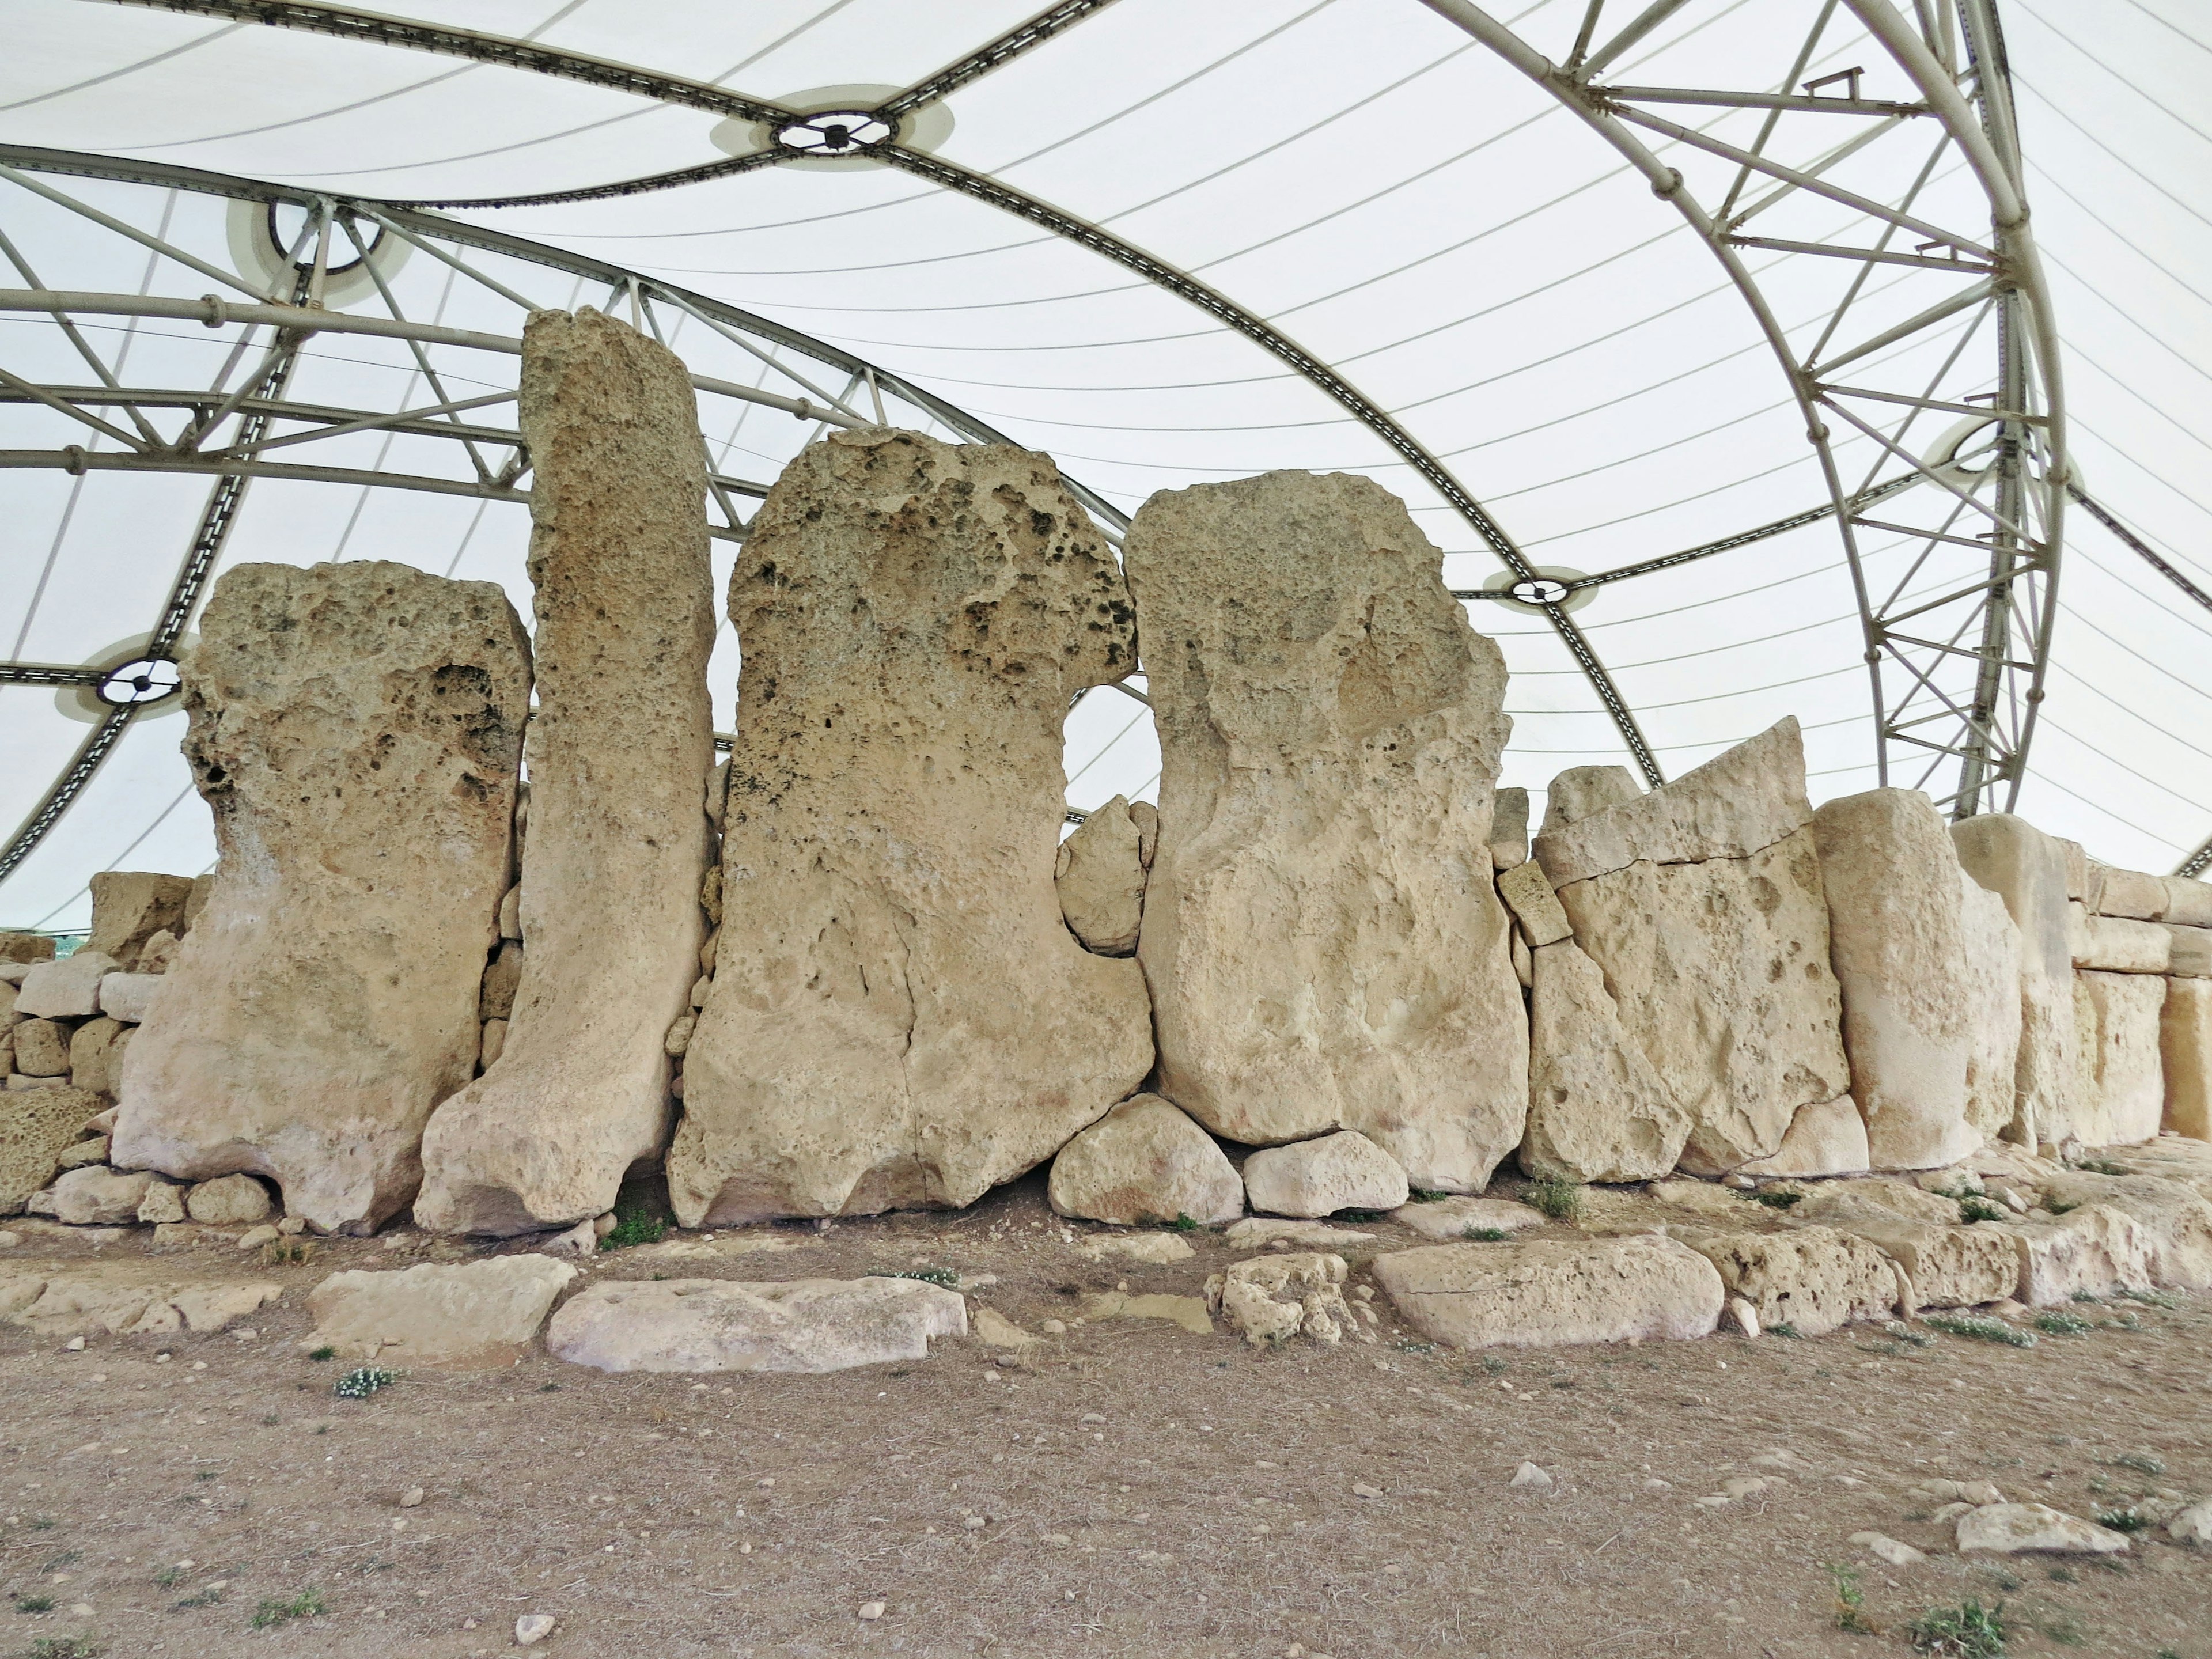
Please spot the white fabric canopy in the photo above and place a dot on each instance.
(1377, 185)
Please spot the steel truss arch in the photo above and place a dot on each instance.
(1957, 676)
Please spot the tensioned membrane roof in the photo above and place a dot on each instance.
(1410, 233)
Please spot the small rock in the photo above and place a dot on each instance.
(1529, 1475)
(254, 1237)
(871, 1610)
(1053, 1327)
(1744, 1485)
(1743, 1316)
(75, 1345)
(994, 1329)
(1311, 1178)
(94, 1194)
(532, 1627)
(1361, 1489)
(2031, 1529)
(582, 1240)
(2192, 1525)
(411, 1498)
(231, 1200)
(1883, 1548)
(1273, 1298)
(1448, 1218)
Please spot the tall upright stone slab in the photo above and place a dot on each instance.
(1324, 945)
(2186, 1057)
(1992, 979)
(899, 1018)
(2029, 870)
(619, 754)
(2118, 1021)
(354, 729)
(1702, 903)
(1597, 1110)
(1897, 937)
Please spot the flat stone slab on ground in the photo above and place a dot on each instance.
(1546, 1292)
(120, 1299)
(810, 1325)
(476, 1315)
(1449, 1218)
(2034, 1529)
(1812, 1279)
(1258, 1231)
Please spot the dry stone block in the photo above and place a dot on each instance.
(2132, 894)
(502, 979)
(1324, 945)
(1527, 893)
(1897, 937)
(42, 1048)
(1508, 829)
(232, 1201)
(96, 1049)
(25, 947)
(1828, 1137)
(129, 907)
(805, 1324)
(1448, 1219)
(1100, 877)
(2122, 1092)
(95, 1196)
(85, 1151)
(1815, 1279)
(2034, 1529)
(478, 1316)
(2189, 951)
(899, 1017)
(1992, 979)
(37, 1126)
(163, 1203)
(1272, 1298)
(2114, 946)
(354, 729)
(129, 997)
(1545, 1292)
(155, 957)
(2176, 1220)
(1318, 1177)
(1719, 967)
(619, 752)
(67, 989)
(2188, 901)
(2029, 870)
(1581, 792)
(1948, 1267)
(2185, 1046)
(1146, 1160)
(1597, 1109)
(2096, 1249)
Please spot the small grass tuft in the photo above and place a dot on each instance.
(1183, 1223)
(1486, 1235)
(1555, 1196)
(43, 1523)
(1851, 1602)
(1902, 1332)
(63, 1647)
(1969, 1630)
(2151, 1298)
(1359, 1215)
(363, 1382)
(34, 1604)
(635, 1224)
(169, 1577)
(944, 1278)
(308, 1604)
(2059, 1322)
(1784, 1327)
(1974, 1207)
(2061, 1576)
(2125, 1519)
(2085, 1296)
(2141, 1462)
(549, 1388)
(1775, 1198)
(1423, 1195)
(207, 1598)
(2100, 1166)
(2128, 1321)
(1980, 1328)
(323, 1352)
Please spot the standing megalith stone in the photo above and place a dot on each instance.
(1597, 1110)
(898, 1015)
(2122, 1094)
(1702, 903)
(2186, 1057)
(1992, 981)
(619, 753)
(354, 729)
(1897, 939)
(1324, 945)
(2028, 870)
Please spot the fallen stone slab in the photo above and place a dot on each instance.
(1156, 1248)
(807, 1324)
(1448, 1219)
(1272, 1298)
(2034, 1529)
(1545, 1292)
(1813, 1279)
(1188, 1311)
(122, 1299)
(1258, 1231)
(1318, 1177)
(476, 1315)
(1948, 1267)
(1146, 1160)
(2176, 1220)
(2093, 1250)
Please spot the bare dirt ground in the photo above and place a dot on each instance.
(1130, 1488)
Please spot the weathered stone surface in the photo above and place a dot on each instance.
(1272, 1298)
(2188, 901)
(809, 1325)
(2175, 1219)
(67, 989)
(1447, 1218)
(1742, 799)
(2028, 870)
(1528, 894)
(1815, 1279)
(474, 1317)
(94, 1195)
(1099, 875)
(619, 752)
(36, 1126)
(502, 982)
(1257, 1232)
(1581, 791)
(1324, 943)
(2122, 1093)
(2132, 894)
(1840, 1202)
(1597, 1109)
(354, 729)
(1146, 1160)
(2033, 1528)
(163, 1203)
(2096, 1249)
(129, 907)
(899, 1016)
(85, 1151)
(2115, 945)
(1720, 973)
(93, 1050)
(155, 957)
(1545, 1292)
(1318, 1177)
(1828, 1137)
(25, 947)
(1897, 938)
(123, 1298)
(129, 997)
(1949, 1267)
(2185, 1046)
(495, 1042)
(2189, 952)
(1990, 980)
(1509, 828)
(231, 1200)
(41, 1047)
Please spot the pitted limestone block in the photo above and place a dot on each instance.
(2028, 870)
(620, 748)
(37, 1126)
(2176, 1220)
(1948, 1267)
(354, 730)
(1813, 1279)
(2121, 1091)
(1548, 1291)
(1582, 790)
(1828, 1137)
(1099, 875)
(129, 907)
(1508, 829)
(2092, 1251)
(1597, 1109)
(1527, 893)
(1324, 945)
(898, 1015)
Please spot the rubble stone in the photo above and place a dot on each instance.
(1272, 1298)
(1146, 1160)
(2176, 1221)
(1318, 1177)
(1527, 893)
(129, 907)
(1508, 829)
(899, 1017)
(231, 1200)
(354, 729)
(25, 947)
(2034, 1529)
(42, 1048)
(1100, 877)
(2096, 1249)
(1949, 1267)
(96, 1049)
(1448, 1219)
(1815, 1279)
(1324, 947)
(619, 751)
